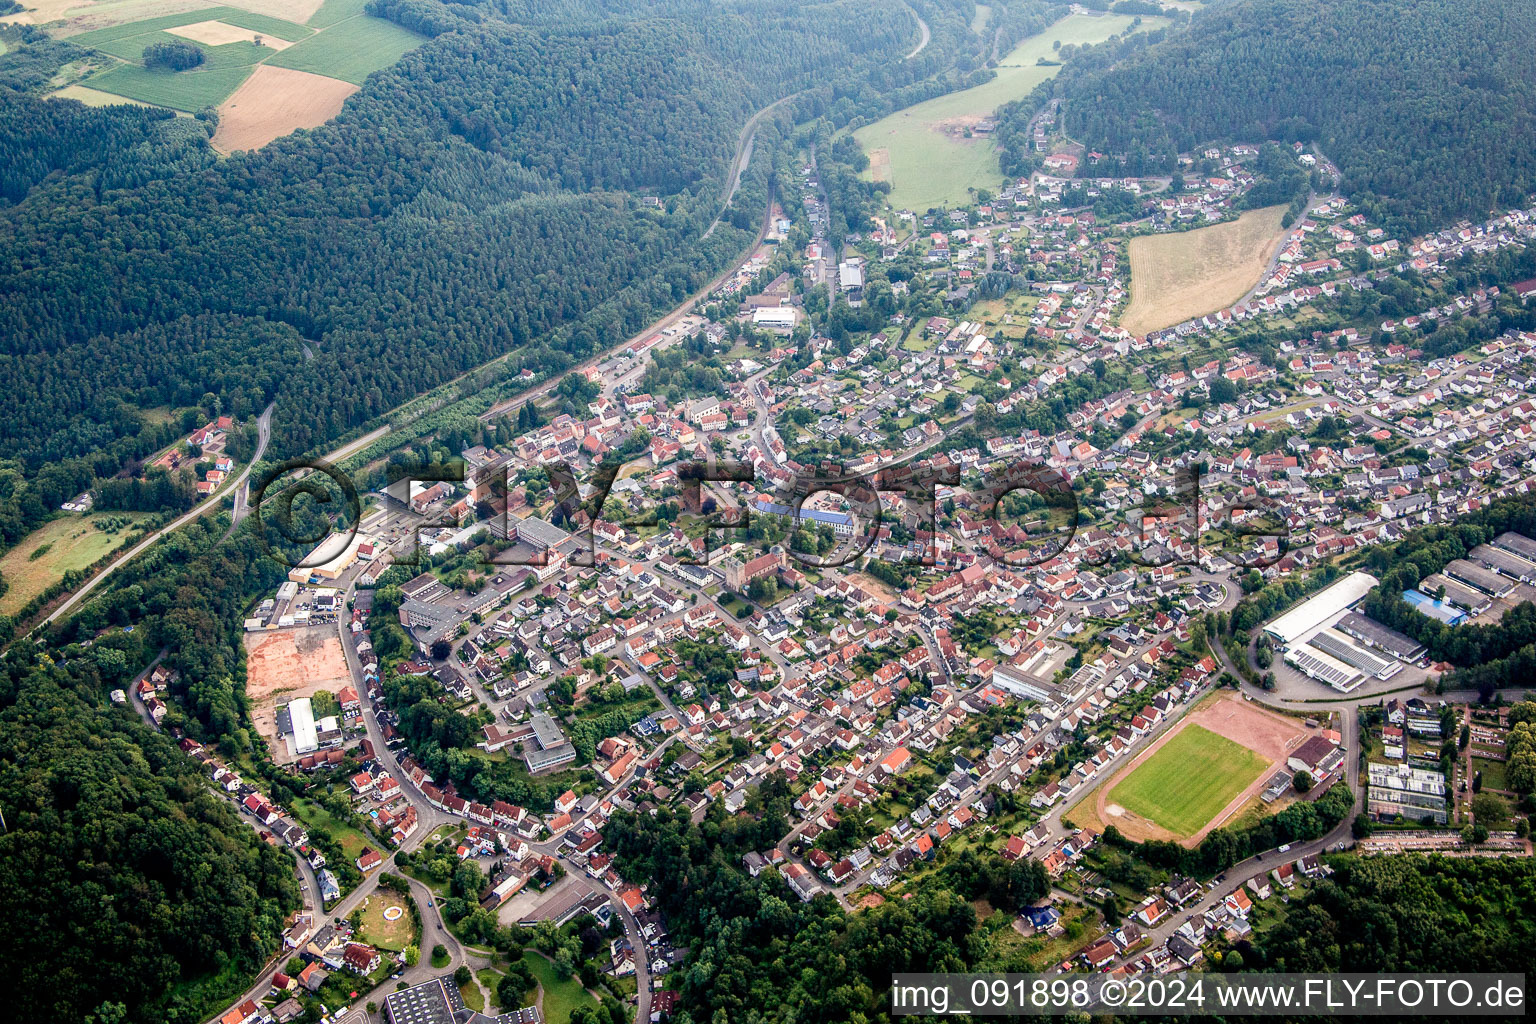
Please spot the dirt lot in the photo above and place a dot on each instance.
(275, 102)
(880, 164)
(217, 33)
(1266, 732)
(287, 664)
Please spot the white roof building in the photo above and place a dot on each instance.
(1320, 609)
(305, 739)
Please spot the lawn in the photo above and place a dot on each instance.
(67, 543)
(1189, 780)
(377, 931)
(923, 150)
(1493, 772)
(351, 50)
(351, 838)
(1185, 274)
(560, 997)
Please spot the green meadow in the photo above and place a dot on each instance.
(923, 151)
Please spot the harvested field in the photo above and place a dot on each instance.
(289, 10)
(94, 97)
(1187, 274)
(217, 33)
(284, 665)
(85, 15)
(880, 164)
(274, 102)
(1193, 784)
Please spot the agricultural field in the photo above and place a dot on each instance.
(1189, 780)
(1185, 274)
(267, 75)
(68, 543)
(95, 97)
(70, 18)
(188, 91)
(275, 102)
(927, 152)
(351, 50)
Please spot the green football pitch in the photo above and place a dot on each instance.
(1189, 780)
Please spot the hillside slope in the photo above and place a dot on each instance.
(1427, 106)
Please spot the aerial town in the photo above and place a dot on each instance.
(483, 670)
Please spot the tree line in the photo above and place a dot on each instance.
(477, 197)
(1424, 105)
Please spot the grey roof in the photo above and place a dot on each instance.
(438, 1002)
(540, 534)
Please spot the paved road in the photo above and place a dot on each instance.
(922, 27)
(264, 434)
(739, 162)
(665, 322)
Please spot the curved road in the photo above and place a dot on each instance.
(739, 162)
(922, 27)
(202, 508)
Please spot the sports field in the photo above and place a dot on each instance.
(1189, 780)
(1185, 274)
(924, 151)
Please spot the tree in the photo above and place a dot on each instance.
(172, 55)
(1490, 809)
(412, 955)
(1303, 781)
(1362, 826)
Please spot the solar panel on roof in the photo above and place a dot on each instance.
(1349, 654)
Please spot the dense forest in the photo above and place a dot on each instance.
(1408, 913)
(1426, 106)
(130, 890)
(479, 197)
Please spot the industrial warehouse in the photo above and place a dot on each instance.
(1488, 582)
(1325, 639)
